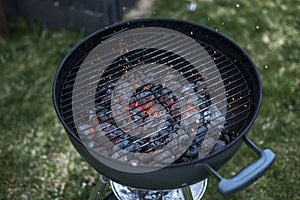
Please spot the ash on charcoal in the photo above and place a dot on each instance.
(218, 146)
(122, 144)
(192, 151)
(183, 137)
(167, 155)
(86, 132)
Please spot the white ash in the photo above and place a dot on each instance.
(86, 132)
(217, 119)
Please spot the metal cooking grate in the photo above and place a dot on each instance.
(238, 95)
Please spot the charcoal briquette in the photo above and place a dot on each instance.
(122, 144)
(193, 150)
(218, 146)
(201, 131)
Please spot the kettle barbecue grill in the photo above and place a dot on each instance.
(160, 104)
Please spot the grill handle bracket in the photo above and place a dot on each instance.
(247, 175)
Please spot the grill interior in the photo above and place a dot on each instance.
(205, 108)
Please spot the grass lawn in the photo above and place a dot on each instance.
(37, 160)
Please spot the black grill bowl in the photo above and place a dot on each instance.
(179, 174)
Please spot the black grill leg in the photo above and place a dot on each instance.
(187, 193)
(99, 188)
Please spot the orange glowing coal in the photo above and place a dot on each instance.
(191, 108)
(147, 111)
(155, 114)
(144, 107)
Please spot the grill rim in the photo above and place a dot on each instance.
(80, 49)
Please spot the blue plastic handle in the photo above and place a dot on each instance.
(247, 175)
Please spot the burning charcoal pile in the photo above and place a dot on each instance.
(154, 106)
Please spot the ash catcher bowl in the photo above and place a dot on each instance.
(160, 104)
